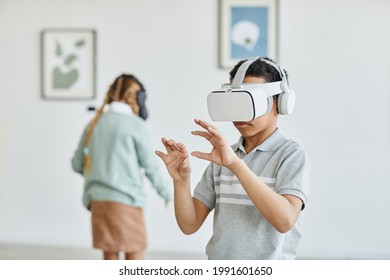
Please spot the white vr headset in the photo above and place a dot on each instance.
(245, 102)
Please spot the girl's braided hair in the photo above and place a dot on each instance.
(123, 89)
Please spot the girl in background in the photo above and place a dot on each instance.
(114, 153)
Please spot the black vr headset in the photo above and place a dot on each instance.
(141, 97)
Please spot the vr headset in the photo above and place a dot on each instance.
(245, 102)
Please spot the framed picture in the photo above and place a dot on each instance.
(68, 64)
(247, 28)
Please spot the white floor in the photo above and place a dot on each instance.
(25, 252)
(19, 252)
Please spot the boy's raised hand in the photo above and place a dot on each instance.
(176, 159)
(222, 153)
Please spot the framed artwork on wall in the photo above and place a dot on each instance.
(247, 28)
(68, 64)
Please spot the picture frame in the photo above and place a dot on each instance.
(247, 28)
(68, 64)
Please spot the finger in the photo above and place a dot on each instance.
(214, 132)
(204, 124)
(173, 145)
(182, 148)
(160, 155)
(203, 134)
(213, 136)
(165, 142)
(185, 165)
(170, 145)
(201, 155)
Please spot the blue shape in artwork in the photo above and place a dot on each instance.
(249, 32)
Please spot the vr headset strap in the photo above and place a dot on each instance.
(272, 89)
(239, 77)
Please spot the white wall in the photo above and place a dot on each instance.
(337, 55)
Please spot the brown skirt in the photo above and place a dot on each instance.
(117, 227)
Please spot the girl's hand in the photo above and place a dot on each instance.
(176, 160)
(222, 153)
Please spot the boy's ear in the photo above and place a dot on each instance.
(276, 103)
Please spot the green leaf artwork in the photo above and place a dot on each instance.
(79, 43)
(58, 49)
(65, 79)
(70, 59)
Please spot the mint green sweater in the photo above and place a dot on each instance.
(121, 153)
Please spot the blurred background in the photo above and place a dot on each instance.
(337, 54)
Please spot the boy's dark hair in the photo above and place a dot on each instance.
(259, 69)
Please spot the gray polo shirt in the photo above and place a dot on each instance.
(239, 230)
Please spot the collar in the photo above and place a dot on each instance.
(121, 108)
(270, 144)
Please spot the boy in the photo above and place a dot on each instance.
(257, 187)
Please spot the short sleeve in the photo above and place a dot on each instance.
(292, 177)
(204, 190)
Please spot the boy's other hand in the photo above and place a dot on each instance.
(222, 153)
(176, 159)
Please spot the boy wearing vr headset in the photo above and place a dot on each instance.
(256, 187)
